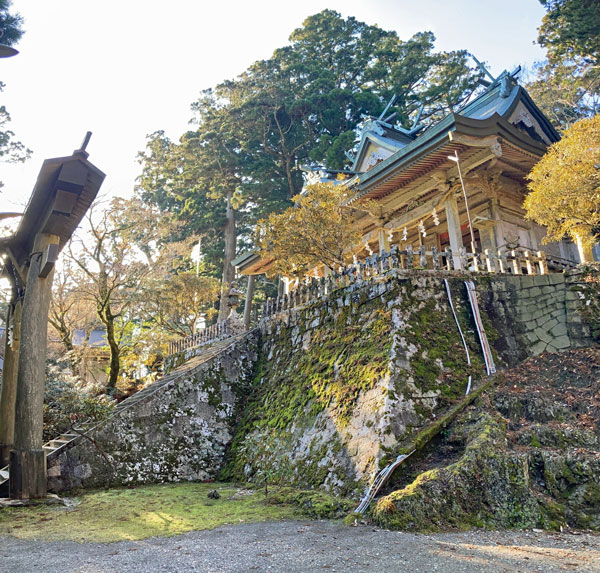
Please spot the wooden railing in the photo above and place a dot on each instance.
(515, 261)
(212, 333)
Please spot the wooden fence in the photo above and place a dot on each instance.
(211, 333)
(516, 261)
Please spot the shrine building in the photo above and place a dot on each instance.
(457, 184)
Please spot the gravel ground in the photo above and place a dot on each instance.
(311, 546)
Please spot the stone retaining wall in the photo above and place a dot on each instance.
(175, 430)
(342, 382)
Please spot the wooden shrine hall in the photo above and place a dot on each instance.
(457, 184)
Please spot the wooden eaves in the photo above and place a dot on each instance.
(64, 190)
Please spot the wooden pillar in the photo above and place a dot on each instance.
(584, 250)
(27, 459)
(384, 244)
(9, 381)
(248, 303)
(454, 232)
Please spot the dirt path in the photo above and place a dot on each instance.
(311, 546)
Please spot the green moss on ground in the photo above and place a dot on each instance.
(145, 511)
(316, 504)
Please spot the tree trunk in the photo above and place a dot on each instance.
(66, 338)
(249, 297)
(290, 177)
(108, 320)
(228, 270)
(9, 381)
(27, 460)
(115, 351)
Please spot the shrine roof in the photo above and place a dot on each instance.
(484, 116)
(502, 97)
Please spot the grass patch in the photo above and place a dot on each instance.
(146, 511)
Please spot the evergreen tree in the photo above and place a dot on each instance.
(10, 32)
(567, 86)
(300, 107)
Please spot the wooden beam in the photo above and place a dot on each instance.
(15, 264)
(49, 257)
(8, 395)
(27, 459)
(491, 141)
(414, 214)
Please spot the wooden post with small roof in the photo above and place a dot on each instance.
(65, 189)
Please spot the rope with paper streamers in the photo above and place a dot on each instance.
(420, 226)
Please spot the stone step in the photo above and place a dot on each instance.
(57, 443)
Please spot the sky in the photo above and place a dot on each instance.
(124, 69)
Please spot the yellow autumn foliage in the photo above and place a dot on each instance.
(316, 231)
(565, 185)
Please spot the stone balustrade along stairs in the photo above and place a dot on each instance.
(55, 446)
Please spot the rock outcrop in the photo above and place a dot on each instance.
(526, 454)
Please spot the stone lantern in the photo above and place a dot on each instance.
(234, 320)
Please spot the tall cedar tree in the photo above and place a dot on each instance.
(567, 86)
(299, 107)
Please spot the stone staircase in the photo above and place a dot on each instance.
(207, 354)
(51, 447)
(55, 446)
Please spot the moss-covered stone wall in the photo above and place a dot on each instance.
(175, 430)
(346, 382)
(342, 384)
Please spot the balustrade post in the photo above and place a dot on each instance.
(435, 257)
(422, 257)
(394, 258)
(528, 265)
(489, 262)
(314, 286)
(304, 294)
(475, 265)
(362, 269)
(502, 262)
(385, 263)
(543, 264)
(449, 259)
(515, 263)
(462, 257)
(409, 257)
(374, 265)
